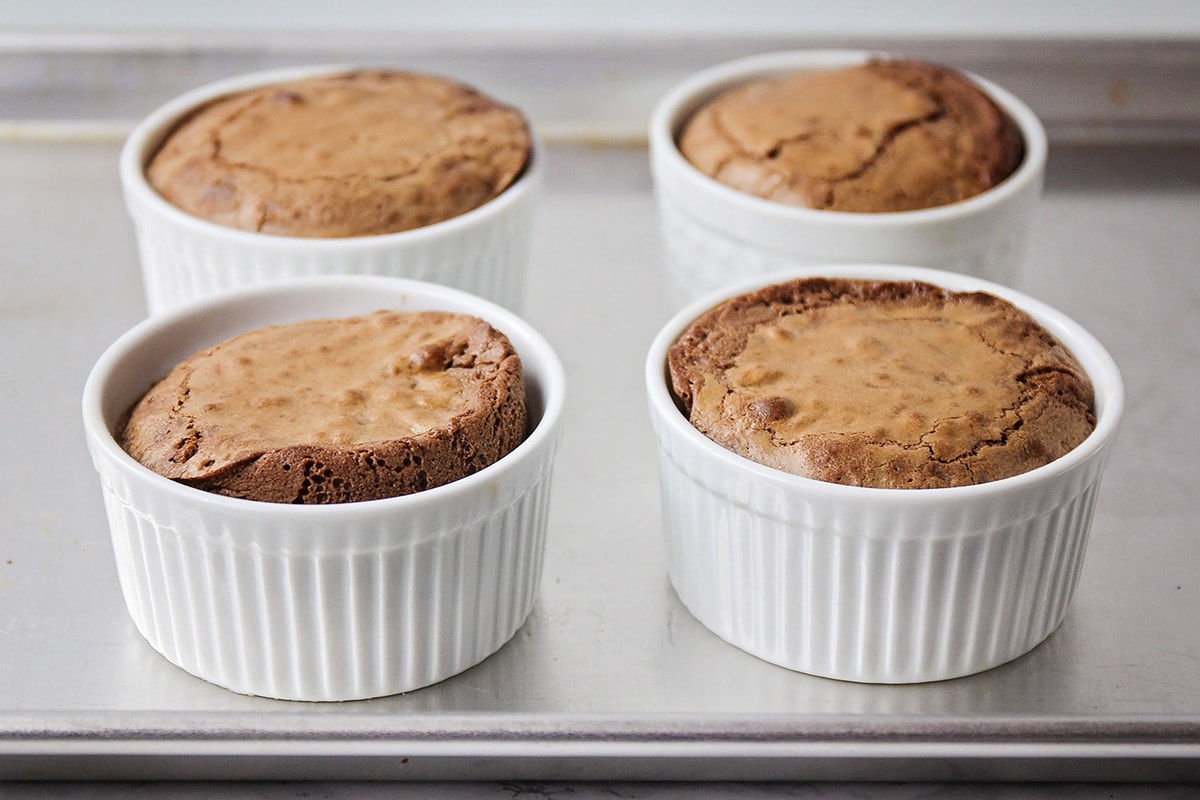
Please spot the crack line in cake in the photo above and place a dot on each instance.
(885, 144)
(925, 136)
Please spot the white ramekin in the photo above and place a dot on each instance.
(183, 257)
(715, 236)
(878, 585)
(332, 602)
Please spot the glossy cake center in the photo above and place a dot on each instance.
(886, 372)
(325, 383)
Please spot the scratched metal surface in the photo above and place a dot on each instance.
(610, 676)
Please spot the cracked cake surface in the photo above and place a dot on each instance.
(881, 384)
(356, 154)
(335, 410)
(887, 135)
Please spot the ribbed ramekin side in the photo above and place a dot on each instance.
(485, 254)
(304, 623)
(489, 261)
(829, 590)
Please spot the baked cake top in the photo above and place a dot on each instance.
(882, 136)
(356, 154)
(434, 392)
(882, 384)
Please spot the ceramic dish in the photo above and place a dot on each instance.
(183, 257)
(332, 602)
(878, 585)
(715, 236)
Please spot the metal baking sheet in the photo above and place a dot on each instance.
(611, 677)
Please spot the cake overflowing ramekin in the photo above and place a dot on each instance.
(183, 257)
(715, 236)
(878, 585)
(332, 602)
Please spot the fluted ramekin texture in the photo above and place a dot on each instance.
(715, 236)
(183, 257)
(333, 602)
(878, 585)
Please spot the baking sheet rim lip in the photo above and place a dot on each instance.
(135, 732)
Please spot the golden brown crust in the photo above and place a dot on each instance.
(331, 411)
(884, 136)
(883, 384)
(358, 154)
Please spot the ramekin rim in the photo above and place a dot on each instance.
(538, 350)
(150, 130)
(664, 409)
(684, 97)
